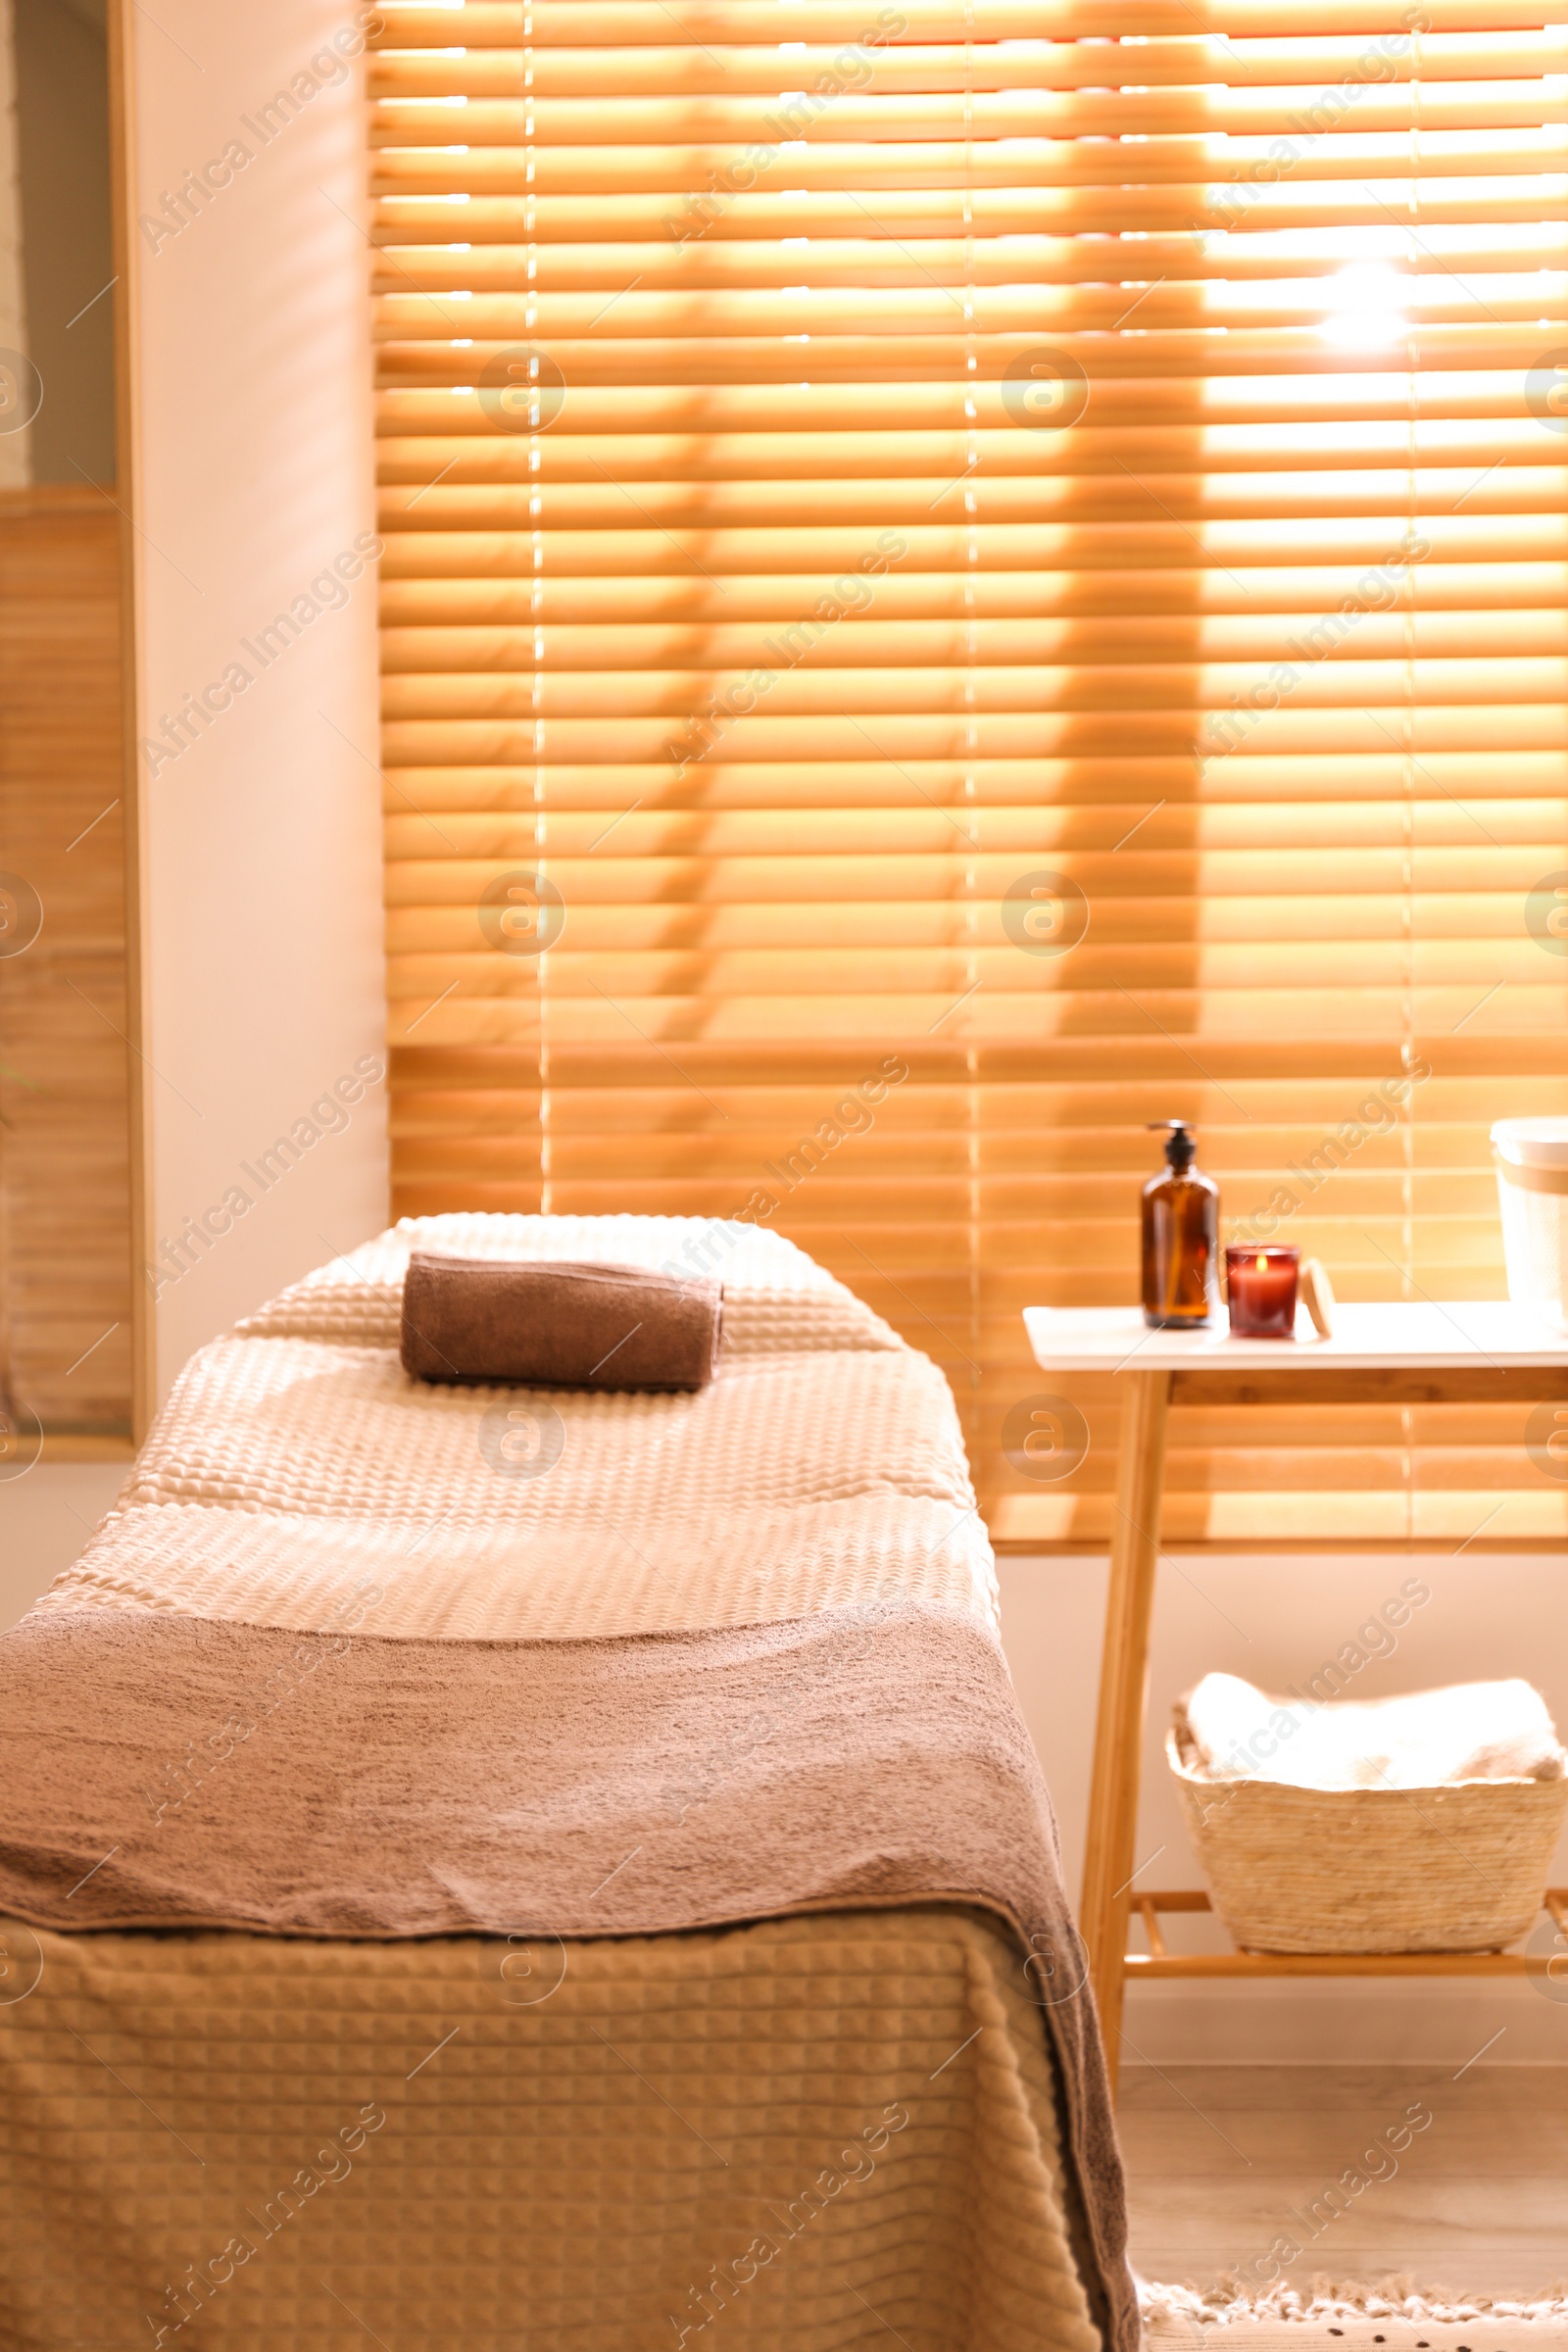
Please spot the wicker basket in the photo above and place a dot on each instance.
(1461, 1868)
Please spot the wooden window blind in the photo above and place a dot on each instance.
(962, 578)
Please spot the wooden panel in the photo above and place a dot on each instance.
(1486, 1385)
(62, 1055)
(1159, 1961)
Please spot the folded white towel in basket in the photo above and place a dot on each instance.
(1469, 1732)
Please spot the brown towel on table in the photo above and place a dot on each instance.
(543, 1324)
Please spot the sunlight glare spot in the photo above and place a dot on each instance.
(1368, 307)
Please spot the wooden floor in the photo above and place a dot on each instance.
(1225, 2161)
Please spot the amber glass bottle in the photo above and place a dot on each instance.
(1181, 1236)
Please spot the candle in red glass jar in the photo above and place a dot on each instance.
(1262, 1284)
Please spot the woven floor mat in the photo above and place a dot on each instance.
(1395, 2315)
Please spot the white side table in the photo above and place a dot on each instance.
(1473, 1352)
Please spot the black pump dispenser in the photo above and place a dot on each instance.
(1181, 1145)
(1180, 1235)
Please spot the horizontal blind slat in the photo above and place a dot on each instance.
(616, 22)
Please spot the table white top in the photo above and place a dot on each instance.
(1425, 1335)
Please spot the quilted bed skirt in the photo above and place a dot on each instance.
(792, 2136)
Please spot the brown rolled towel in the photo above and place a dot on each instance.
(550, 1325)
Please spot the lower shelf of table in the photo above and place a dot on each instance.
(1158, 1962)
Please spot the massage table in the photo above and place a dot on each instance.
(493, 1868)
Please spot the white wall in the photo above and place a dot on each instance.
(261, 838)
(45, 1518)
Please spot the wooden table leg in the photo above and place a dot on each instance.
(1124, 1696)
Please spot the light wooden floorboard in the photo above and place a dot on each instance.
(1224, 2161)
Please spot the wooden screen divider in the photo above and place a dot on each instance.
(1020, 548)
(63, 1078)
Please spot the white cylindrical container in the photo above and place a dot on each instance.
(1531, 1158)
